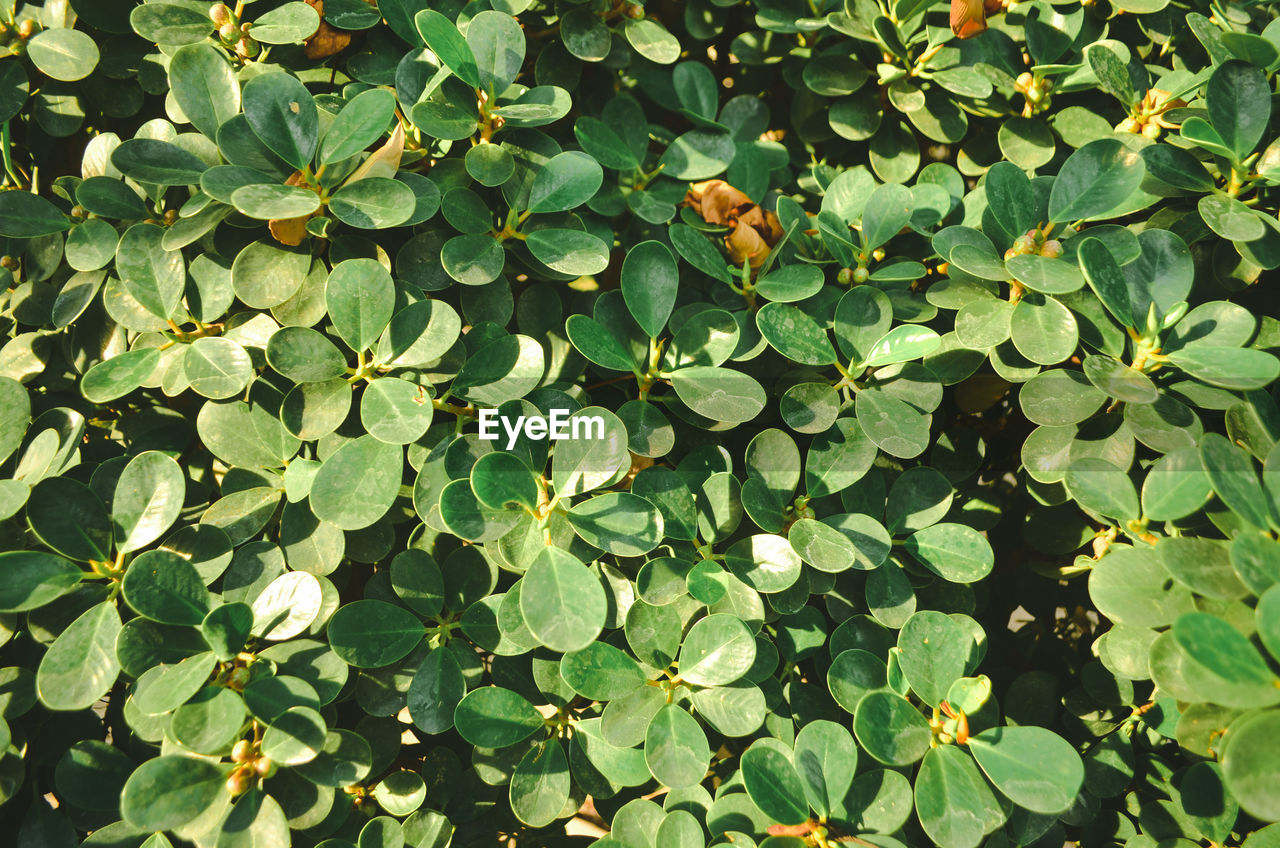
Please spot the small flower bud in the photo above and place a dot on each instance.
(1128, 125)
(634, 11)
(27, 28)
(9, 263)
(1024, 245)
(1024, 81)
(1052, 248)
(242, 752)
(860, 275)
(1151, 131)
(264, 766)
(239, 782)
(219, 14)
(229, 32)
(845, 276)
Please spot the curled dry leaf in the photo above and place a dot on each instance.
(752, 231)
(328, 40)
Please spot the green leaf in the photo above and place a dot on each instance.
(291, 23)
(649, 282)
(1230, 218)
(169, 791)
(540, 784)
(217, 368)
(447, 43)
(597, 138)
(717, 650)
(675, 748)
(170, 24)
(890, 729)
(721, 394)
(283, 115)
(764, 562)
(569, 251)
(774, 785)
(794, 334)
(437, 688)
(597, 344)
(1238, 98)
(1102, 487)
(1094, 180)
(953, 802)
(294, 737)
(567, 180)
(493, 717)
(66, 55)
(266, 202)
(265, 275)
(1228, 658)
(602, 672)
(1249, 761)
(81, 666)
(933, 653)
(1106, 279)
(562, 602)
(1228, 367)
(204, 84)
(652, 41)
(358, 483)
(163, 586)
(826, 757)
(501, 479)
(69, 518)
(791, 283)
(372, 633)
(26, 215)
(698, 154)
(887, 211)
(373, 203)
(1034, 767)
(34, 579)
(497, 42)
(1176, 486)
(954, 552)
(619, 523)
(901, 344)
(361, 298)
(1231, 474)
(257, 817)
(895, 426)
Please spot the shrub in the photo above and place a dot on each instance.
(919, 480)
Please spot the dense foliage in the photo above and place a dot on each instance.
(936, 485)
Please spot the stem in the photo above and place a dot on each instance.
(8, 155)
